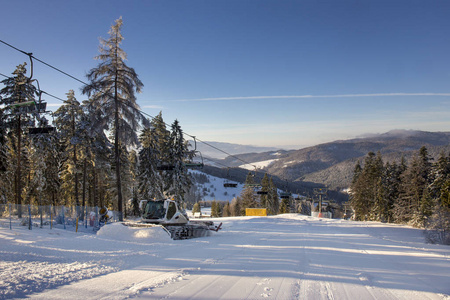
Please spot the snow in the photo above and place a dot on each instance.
(259, 164)
(287, 256)
(216, 190)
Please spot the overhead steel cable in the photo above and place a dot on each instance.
(43, 92)
(29, 54)
(43, 62)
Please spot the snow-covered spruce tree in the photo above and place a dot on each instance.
(40, 148)
(414, 182)
(178, 181)
(112, 91)
(391, 183)
(250, 179)
(67, 121)
(5, 183)
(152, 157)
(438, 222)
(441, 174)
(162, 136)
(248, 199)
(151, 185)
(18, 90)
(366, 188)
(97, 150)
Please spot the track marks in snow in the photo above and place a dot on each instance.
(19, 278)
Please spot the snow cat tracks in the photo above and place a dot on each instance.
(193, 229)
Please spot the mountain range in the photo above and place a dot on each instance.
(330, 164)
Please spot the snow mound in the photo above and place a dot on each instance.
(118, 231)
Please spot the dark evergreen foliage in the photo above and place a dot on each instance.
(417, 194)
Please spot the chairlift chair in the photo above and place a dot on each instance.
(227, 183)
(165, 167)
(285, 195)
(230, 185)
(40, 107)
(191, 164)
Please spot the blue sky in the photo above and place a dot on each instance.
(268, 73)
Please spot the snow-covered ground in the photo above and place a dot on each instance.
(258, 164)
(279, 257)
(215, 189)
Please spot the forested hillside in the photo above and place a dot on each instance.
(332, 164)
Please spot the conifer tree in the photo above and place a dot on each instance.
(273, 200)
(133, 159)
(366, 188)
(356, 172)
(178, 181)
(17, 91)
(226, 210)
(284, 206)
(441, 174)
(414, 182)
(96, 151)
(3, 157)
(67, 121)
(161, 136)
(265, 186)
(250, 179)
(5, 191)
(215, 209)
(391, 184)
(196, 208)
(236, 207)
(112, 91)
(248, 199)
(151, 185)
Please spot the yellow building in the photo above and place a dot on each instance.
(256, 211)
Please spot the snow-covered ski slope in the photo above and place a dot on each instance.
(279, 257)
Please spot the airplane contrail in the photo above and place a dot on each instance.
(311, 96)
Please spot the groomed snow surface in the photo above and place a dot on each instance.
(278, 257)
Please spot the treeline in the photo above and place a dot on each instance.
(417, 193)
(254, 195)
(97, 152)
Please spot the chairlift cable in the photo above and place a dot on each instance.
(30, 55)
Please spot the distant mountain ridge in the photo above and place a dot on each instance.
(211, 152)
(331, 164)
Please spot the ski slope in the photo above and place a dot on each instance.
(279, 257)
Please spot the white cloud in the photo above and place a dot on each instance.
(313, 96)
(153, 106)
